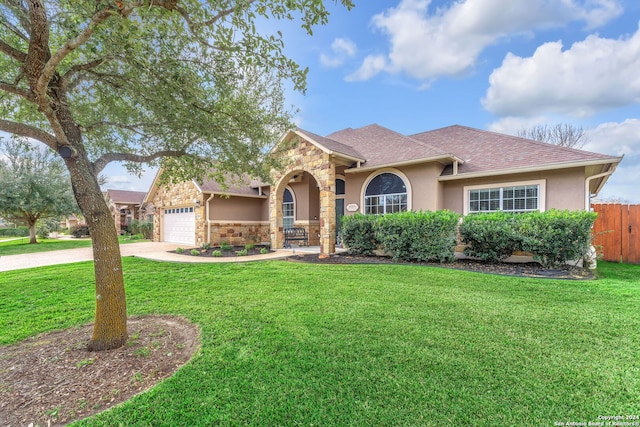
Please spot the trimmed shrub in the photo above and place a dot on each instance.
(14, 232)
(556, 237)
(79, 231)
(491, 237)
(358, 234)
(141, 227)
(419, 236)
(553, 237)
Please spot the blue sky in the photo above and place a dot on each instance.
(500, 65)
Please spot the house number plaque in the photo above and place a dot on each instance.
(352, 207)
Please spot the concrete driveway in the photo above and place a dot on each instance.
(158, 251)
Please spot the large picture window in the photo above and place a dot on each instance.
(288, 209)
(385, 193)
(516, 198)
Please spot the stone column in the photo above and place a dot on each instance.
(327, 178)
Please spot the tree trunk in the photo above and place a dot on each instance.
(32, 233)
(110, 327)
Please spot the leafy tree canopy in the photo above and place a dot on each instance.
(152, 80)
(34, 185)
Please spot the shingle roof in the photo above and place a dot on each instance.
(242, 186)
(333, 145)
(126, 197)
(380, 146)
(484, 151)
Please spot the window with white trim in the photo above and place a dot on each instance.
(520, 198)
(385, 193)
(287, 209)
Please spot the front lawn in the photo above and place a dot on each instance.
(22, 246)
(303, 344)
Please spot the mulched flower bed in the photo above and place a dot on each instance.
(233, 252)
(531, 269)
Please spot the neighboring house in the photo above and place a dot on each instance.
(71, 221)
(374, 170)
(126, 206)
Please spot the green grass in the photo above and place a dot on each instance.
(288, 344)
(22, 246)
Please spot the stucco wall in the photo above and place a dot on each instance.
(564, 189)
(307, 198)
(425, 191)
(237, 209)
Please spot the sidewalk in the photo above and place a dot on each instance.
(158, 251)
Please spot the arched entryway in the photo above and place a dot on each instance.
(300, 199)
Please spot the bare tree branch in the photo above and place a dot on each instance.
(29, 132)
(104, 160)
(561, 134)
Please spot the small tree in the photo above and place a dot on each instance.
(561, 134)
(34, 185)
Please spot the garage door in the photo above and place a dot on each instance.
(180, 226)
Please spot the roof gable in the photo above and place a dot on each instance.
(381, 146)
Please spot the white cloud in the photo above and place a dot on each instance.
(449, 40)
(593, 75)
(513, 125)
(615, 138)
(342, 49)
(371, 66)
(623, 184)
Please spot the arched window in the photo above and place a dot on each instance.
(287, 209)
(385, 193)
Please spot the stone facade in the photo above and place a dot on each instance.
(183, 194)
(303, 156)
(238, 234)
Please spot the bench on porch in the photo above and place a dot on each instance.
(295, 234)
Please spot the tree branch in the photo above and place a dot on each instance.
(14, 53)
(133, 127)
(70, 45)
(29, 132)
(6, 87)
(104, 160)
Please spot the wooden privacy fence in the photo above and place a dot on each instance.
(617, 232)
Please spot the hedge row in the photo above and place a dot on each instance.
(409, 236)
(14, 232)
(553, 237)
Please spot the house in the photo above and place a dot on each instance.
(126, 206)
(375, 170)
(71, 221)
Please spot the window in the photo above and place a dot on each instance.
(516, 198)
(287, 209)
(386, 193)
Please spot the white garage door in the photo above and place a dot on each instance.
(180, 226)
